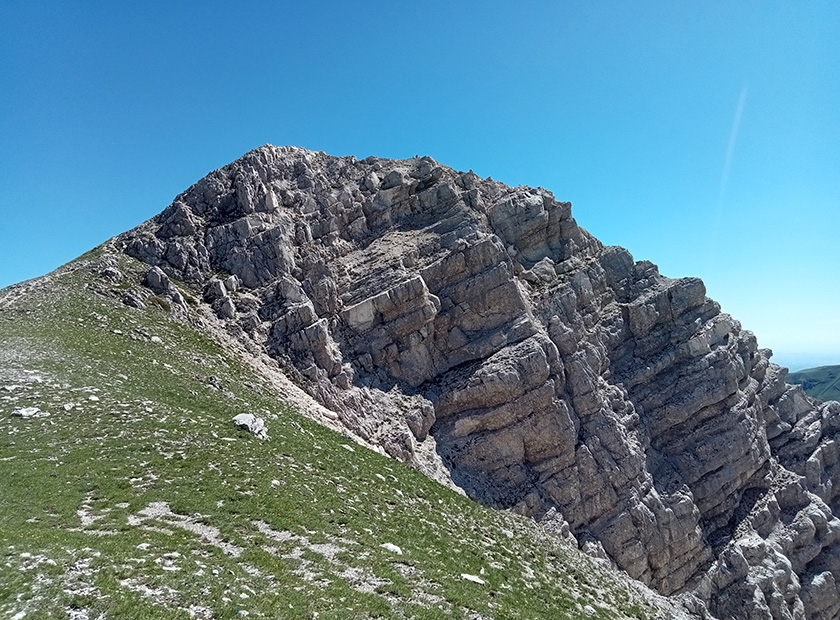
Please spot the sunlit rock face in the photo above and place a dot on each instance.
(551, 375)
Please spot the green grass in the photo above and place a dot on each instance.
(822, 382)
(288, 528)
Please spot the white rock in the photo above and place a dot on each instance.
(252, 424)
(473, 578)
(392, 548)
(214, 290)
(231, 284)
(29, 412)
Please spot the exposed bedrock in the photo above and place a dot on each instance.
(551, 375)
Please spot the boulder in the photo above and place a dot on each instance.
(251, 423)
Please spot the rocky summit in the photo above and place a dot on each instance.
(475, 331)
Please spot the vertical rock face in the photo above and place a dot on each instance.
(553, 375)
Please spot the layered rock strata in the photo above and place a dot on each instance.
(553, 375)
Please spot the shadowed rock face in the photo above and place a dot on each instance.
(555, 376)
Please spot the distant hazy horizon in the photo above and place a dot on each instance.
(795, 363)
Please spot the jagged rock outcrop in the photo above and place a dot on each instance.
(551, 374)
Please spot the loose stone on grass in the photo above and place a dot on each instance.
(251, 423)
(29, 412)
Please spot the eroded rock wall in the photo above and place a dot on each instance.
(552, 375)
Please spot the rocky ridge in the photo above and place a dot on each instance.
(474, 329)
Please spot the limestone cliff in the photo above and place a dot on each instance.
(463, 324)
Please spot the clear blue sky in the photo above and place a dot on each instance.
(704, 137)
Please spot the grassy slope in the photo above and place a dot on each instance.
(136, 498)
(822, 382)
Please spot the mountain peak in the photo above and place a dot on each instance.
(474, 330)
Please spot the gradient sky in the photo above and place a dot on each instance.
(704, 137)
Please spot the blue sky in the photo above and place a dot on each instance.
(704, 137)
